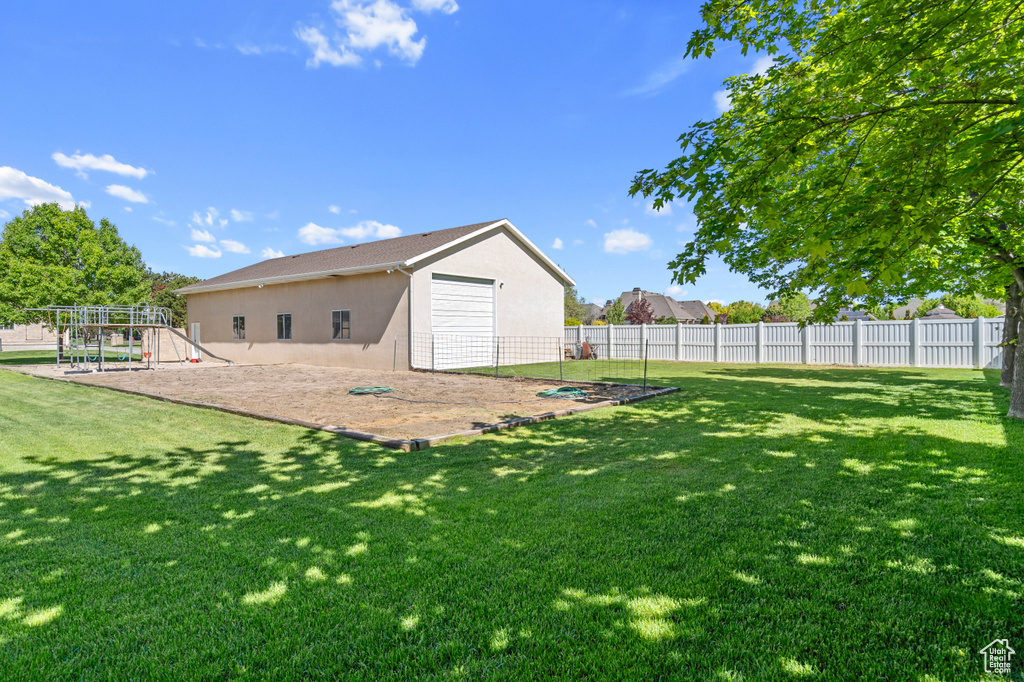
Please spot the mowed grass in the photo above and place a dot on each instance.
(763, 523)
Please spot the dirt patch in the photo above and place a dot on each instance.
(420, 406)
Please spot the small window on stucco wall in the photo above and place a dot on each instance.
(6, 325)
(284, 326)
(238, 327)
(341, 327)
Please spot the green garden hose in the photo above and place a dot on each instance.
(567, 392)
(370, 390)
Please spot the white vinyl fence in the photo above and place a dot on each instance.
(892, 343)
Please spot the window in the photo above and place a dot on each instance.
(238, 327)
(340, 326)
(284, 326)
(6, 325)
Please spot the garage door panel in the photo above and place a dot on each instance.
(462, 320)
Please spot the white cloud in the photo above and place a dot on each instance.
(249, 49)
(446, 6)
(762, 65)
(4, 215)
(722, 101)
(128, 209)
(364, 26)
(231, 246)
(557, 244)
(271, 253)
(127, 193)
(334, 209)
(203, 251)
(202, 236)
(314, 234)
(209, 219)
(676, 291)
(323, 52)
(591, 223)
(85, 204)
(662, 77)
(83, 162)
(665, 210)
(715, 300)
(14, 184)
(165, 221)
(625, 241)
(577, 242)
(242, 216)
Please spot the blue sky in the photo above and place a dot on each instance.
(214, 134)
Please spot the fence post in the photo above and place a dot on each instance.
(760, 341)
(679, 341)
(643, 339)
(611, 346)
(805, 339)
(718, 342)
(915, 342)
(858, 342)
(979, 343)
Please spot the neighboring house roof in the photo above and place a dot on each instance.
(853, 315)
(591, 311)
(361, 258)
(941, 313)
(663, 306)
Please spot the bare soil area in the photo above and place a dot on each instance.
(421, 404)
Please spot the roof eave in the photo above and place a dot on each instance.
(566, 279)
(285, 279)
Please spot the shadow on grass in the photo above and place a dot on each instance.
(768, 523)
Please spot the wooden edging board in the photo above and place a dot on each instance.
(408, 445)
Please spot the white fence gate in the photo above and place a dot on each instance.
(890, 343)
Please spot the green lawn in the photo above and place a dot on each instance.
(763, 523)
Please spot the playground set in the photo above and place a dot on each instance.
(82, 333)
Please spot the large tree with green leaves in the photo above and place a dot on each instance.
(163, 286)
(49, 256)
(881, 157)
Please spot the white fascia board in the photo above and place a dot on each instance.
(283, 279)
(566, 279)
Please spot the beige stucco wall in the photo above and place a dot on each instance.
(529, 297)
(379, 310)
(27, 335)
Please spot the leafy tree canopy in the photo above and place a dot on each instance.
(49, 256)
(881, 157)
(162, 288)
(575, 307)
(744, 312)
(616, 313)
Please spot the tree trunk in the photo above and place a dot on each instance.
(1017, 390)
(1011, 322)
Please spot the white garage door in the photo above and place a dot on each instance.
(462, 321)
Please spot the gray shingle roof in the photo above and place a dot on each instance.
(367, 255)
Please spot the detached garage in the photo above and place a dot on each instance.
(438, 299)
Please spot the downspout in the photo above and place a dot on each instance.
(409, 306)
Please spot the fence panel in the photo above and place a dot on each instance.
(883, 343)
(831, 344)
(697, 342)
(783, 343)
(992, 335)
(886, 343)
(947, 343)
(739, 342)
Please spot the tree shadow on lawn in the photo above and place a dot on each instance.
(769, 523)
